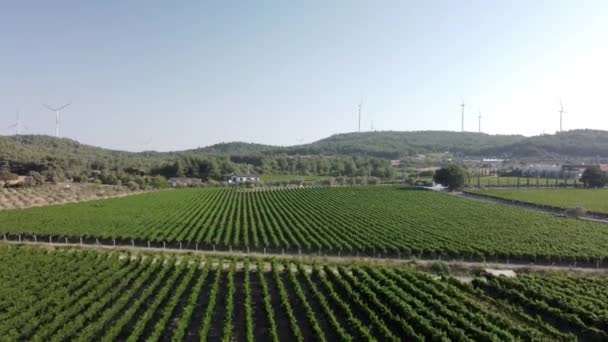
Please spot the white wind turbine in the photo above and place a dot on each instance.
(57, 110)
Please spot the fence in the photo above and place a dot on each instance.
(419, 255)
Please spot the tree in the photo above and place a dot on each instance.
(5, 172)
(594, 177)
(37, 177)
(451, 176)
(158, 182)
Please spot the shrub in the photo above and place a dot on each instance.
(575, 212)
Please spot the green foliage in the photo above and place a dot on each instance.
(594, 177)
(595, 200)
(75, 295)
(578, 303)
(439, 268)
(451, 176)
(363, 220)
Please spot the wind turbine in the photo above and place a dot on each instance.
(479, 118)
(561, 114)
(17, 126)
(462, 117)
(57, 110)
(360, 108)
(146, 145)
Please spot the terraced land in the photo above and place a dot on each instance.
(86, 295)
(595, 200)
(348, 220)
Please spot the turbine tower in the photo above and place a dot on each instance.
(561, 114)
(479, 118)
(57, 110)
(17, 126)
(360, 108)
(462, 117)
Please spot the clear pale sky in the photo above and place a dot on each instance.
(180, 74)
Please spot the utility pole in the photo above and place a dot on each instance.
(462, 117)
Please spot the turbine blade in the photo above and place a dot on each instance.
(65, 105)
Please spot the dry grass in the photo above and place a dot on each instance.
(50, 194)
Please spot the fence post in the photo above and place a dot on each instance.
(35, 240)
(50, 240)
(196, 246)
(214, 248)
(164, 245)
(4, 237)
(66, 240)
(148, 243)
(264, 250)
(132, 243)
(114, 243)
(97, 242)
(20, 238)
(81, 241)
(180, 245)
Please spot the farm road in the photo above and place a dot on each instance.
(314, 257)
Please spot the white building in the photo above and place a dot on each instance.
(239, 178)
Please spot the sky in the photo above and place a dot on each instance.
(172, 75)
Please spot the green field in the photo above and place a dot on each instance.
(576, 305)
(368, 220)
(595, 200)
(75, 295)
(531, 182)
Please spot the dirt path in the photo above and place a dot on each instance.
(333, 259)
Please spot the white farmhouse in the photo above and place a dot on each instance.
(240, 178)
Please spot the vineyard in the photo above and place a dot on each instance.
(390, 221)
(82, 296)
(577, 305)
(595, 200)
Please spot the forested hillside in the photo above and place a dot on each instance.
(396, 145)
(350, 154)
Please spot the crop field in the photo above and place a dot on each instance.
(523, 182)
(367, 220)
(85, 295)
(50, 194)
(578, 305)
(595, 200)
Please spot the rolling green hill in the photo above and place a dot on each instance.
(393, 145)
(576, 144)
